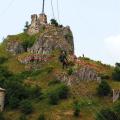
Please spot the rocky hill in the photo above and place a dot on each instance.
(36, 84)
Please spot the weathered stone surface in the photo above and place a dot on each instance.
(87, 73)
(54, 38)
(84, 74)
(33, 58)
(116, 95)
(14, 47)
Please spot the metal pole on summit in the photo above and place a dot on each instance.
(43, 6)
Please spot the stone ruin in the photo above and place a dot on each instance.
(37, 22)
(116, 95)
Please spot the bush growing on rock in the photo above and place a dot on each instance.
(70, 71)
(54, 22)
(103, 89)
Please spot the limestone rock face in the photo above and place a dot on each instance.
(87, 73)
(14, 47)
(54, 38)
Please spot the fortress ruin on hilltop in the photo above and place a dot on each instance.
(37, 22)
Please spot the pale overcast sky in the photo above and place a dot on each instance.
(95, 23)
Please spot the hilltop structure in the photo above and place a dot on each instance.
(37, 22)
(47, 38)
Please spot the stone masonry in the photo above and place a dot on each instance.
(36, 23)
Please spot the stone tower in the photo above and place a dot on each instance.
(2, 99)
(43, 19)
(34, 26)
(37, 22)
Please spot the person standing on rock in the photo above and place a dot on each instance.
(63, 59)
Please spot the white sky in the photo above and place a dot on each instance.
(95, 23)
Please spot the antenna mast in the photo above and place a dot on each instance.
(43, 6)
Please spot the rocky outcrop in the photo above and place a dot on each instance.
(14, 47)
(87, 73)
(33, 58)
(83, 74)
(52, 39)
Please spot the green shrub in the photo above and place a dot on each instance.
(57, 93)
(106, 114)
(63, 91)
(103, 89)
(13, 102)
(54, 22)
(15, 90)
(70, 71)
(105, 76)
(26, 26)
(26, 107)
(116, 73)
(1, 116)
(35, 92)
(76, 109)
(41, 117)
(53, 98)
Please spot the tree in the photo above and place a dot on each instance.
(54, 22)
(26, 26)
(106, 114)
(103, 89)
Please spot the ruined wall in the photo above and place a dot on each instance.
(37, 23)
